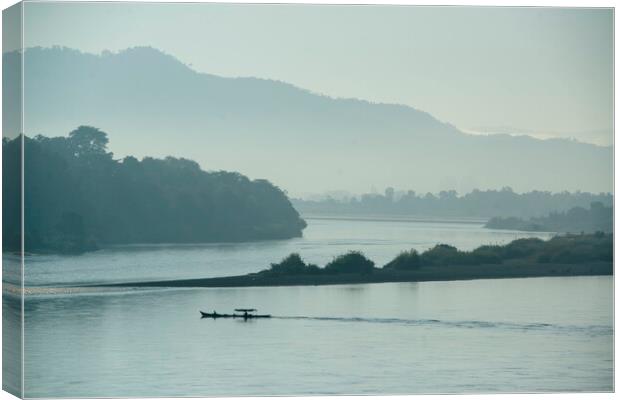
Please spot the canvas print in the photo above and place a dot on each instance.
(205, 199)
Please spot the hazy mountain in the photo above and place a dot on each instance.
(151, 103)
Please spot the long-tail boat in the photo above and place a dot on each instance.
(247, 313)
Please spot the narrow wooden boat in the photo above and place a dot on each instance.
(246, 314)
(215, 315)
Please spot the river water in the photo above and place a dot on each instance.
(323, 239)
(482, 336)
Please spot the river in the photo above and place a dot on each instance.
(482, 336)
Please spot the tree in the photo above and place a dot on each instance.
(87, 140)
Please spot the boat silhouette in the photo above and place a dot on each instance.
(246, 314)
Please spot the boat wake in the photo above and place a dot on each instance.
(593, 330)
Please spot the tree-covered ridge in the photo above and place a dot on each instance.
(476, 204)
(577, 219)
(77, 197)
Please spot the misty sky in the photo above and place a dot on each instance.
(539, 71)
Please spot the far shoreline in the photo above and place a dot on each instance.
(396, 218)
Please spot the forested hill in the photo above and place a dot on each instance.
(78, 198)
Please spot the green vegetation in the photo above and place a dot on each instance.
(567, 249)
(292, 264)
(575, 249)
(78, 197)
(352, 262)
(445, 255)
(405, 261)
(577, 219)
(570, 255)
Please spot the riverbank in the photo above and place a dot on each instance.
(431, 273)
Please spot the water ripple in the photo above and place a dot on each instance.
(594, 330)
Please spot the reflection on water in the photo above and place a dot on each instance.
(507, 335)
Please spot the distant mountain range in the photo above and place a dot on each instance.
(151, 103)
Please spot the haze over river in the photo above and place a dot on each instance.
(504, 335)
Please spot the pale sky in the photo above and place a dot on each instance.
(538, 71)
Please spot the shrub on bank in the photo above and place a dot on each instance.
(489, 254)
(571, 249)
(566, 249)
(521, 248)
(352, 262)
(443, 254)
(292, 265)
(405, 261)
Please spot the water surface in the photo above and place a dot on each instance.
(505, 335)
(489, 336)
(381, 241)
